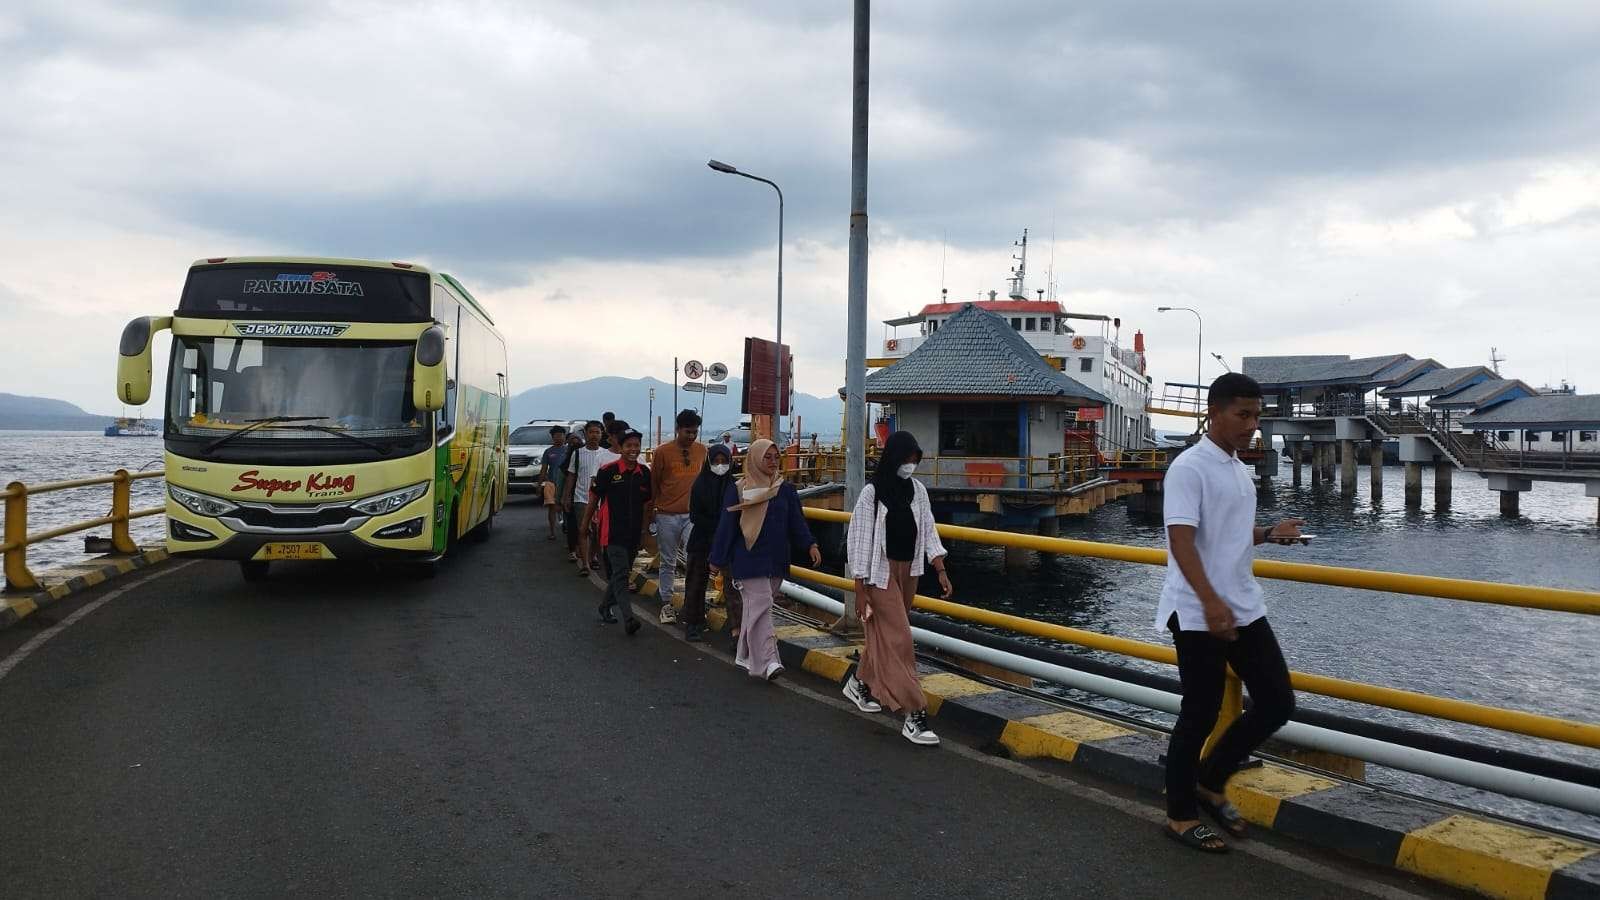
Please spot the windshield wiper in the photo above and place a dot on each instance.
(254, 424)
(337, 433)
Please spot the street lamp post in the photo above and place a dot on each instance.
(1199, 354)
(777, 388)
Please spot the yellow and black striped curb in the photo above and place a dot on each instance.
(1446, 845)
(73, 579)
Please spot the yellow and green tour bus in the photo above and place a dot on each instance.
(325, 409)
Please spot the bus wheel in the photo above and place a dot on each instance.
(253, 569)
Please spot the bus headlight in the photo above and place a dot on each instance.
(199, 504)
(388, 503)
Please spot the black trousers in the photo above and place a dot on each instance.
(1202, 667)
(619, 565)
(694, 597)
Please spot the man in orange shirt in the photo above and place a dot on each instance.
(673, 470)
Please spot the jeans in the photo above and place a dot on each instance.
(1202, 667)
(672, 533)
(619, 565)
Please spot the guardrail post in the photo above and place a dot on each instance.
(1232, 709)
(121, 493)
(18, 578)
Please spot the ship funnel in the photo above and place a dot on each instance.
(1138, 342)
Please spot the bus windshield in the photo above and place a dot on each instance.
(357, 388)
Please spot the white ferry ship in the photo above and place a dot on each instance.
(1092, 354)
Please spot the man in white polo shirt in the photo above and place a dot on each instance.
(1213, 606)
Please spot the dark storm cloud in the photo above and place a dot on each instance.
(987, 117)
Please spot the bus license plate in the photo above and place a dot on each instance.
(294, 551)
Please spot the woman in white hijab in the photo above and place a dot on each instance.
(762, 528)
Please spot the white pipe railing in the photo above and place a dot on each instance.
(1421, 762)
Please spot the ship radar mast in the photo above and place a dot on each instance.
(1019, 272)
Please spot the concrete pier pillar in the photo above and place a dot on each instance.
(1510, 489)
(1347, 467)
(1414, 485)
(1375, 461)
(1510, 503)
(1016, 559)
(1330, 461)
(1316, 464)
(1049, 526)
(1442, 471)
(1296, 448)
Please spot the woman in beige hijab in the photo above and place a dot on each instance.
(762, 528)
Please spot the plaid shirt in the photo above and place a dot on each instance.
(868, 536)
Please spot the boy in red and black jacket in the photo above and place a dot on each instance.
(622, 492)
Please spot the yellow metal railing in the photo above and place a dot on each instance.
(1514, 721)
(1138, 459)
(1052, 474)
(17, 540)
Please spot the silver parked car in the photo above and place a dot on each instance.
(527, 446)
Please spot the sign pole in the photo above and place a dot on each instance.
(674, 388)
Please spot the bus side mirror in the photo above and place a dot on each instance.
(427, 371)
(133, 358)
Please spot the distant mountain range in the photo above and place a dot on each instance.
(43, 414)
(629, 398)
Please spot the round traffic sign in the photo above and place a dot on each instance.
(693, 369)
(718, 371)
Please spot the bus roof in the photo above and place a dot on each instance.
(310, 261)
(338, 261)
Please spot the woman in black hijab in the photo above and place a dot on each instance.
(705, 511)
(892, 534)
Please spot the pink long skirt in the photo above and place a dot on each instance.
(758, 646)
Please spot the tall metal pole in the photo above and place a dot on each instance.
(777, 389)
(674, 388)
(855, 371)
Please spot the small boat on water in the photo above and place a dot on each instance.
(127, 427)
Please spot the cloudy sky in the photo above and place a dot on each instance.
(1357, 177)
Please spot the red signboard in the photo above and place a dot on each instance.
(1091, 414)
(760, 370)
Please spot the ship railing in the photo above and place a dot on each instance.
(17, 539)
(1567, 731)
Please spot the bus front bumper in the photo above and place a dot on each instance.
(407, 533)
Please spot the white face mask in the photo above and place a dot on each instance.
(720, 469)
(907, 470)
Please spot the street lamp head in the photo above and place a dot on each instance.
(721, 166)
(1163, 309)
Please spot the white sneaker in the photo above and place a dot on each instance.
(861, 695)
(668, 613)
(916, 729)
(773, 671)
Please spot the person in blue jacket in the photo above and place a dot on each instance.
(762, 526)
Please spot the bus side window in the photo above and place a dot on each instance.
(448, 313)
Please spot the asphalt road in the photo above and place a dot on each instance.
(341, 731)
